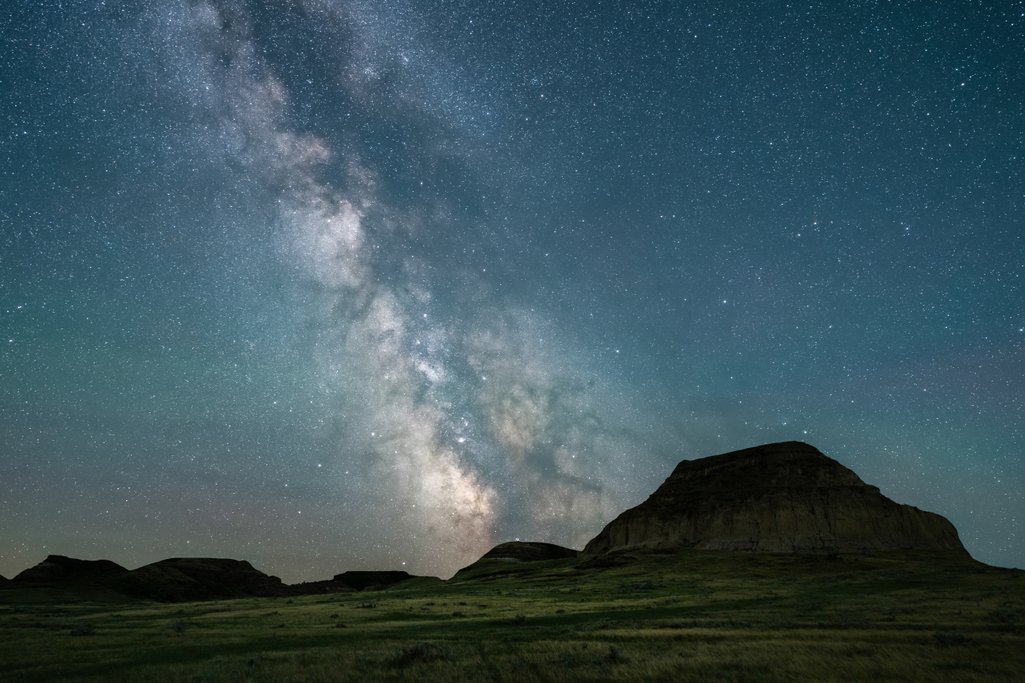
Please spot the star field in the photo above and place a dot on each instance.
(336, 285)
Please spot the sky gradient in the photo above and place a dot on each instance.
(334, 285)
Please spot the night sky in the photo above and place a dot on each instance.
(333, 285)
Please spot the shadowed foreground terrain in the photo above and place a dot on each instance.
(701, 615)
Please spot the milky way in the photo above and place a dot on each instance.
(340, 285)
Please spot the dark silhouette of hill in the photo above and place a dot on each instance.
(528, 551)
(353, 582)
(320, 587)
(187, 579)
(780, 498)
(371, 580)
(58, 570)
(514, 557)
(173, 579)
(359, 580)
(200, 578)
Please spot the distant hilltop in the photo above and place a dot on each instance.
(185, 579)
(776, 498)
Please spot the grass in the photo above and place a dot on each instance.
(700, 616)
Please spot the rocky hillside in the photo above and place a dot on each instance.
(783, 497)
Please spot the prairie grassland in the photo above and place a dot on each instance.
(701, 617)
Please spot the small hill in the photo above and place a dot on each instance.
(319, 587)
(528, 551)
(779, 498)
(355, 582)
(371, 580)
(187, 579)
(200, 578)
(514, 557)
(58, 570)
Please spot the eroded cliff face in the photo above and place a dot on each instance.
(784, 497)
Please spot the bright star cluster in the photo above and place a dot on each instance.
(330, 284)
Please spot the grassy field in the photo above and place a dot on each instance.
(701, 617)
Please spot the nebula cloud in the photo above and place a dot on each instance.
(428, 490)
(460, 424)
